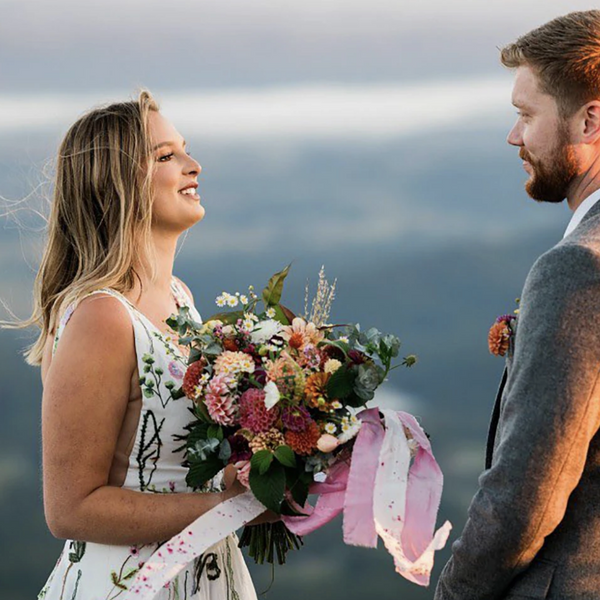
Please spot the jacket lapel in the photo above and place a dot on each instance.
(489, 451)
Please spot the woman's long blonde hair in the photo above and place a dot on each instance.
(101, 214)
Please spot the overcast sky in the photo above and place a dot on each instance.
(242, 68)
(68, 45)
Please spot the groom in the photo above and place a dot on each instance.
(533, 528)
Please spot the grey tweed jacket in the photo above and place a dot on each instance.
(533, 528)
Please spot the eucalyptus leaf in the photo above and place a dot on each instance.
(202, 449)
(225, 450)
(195, 355)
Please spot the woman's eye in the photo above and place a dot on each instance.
(165, 157)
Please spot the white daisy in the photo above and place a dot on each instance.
(336, 404)
(344, 339)
(330, 428)
(232, 301)
(221, 301)
(271, 312)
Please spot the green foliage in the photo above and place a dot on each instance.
(272, 293)
(341, 383)
(269, 487)
(297, 481)
(261, 461)
(285, 455)
(202, 471)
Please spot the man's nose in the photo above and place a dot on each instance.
(515, 135)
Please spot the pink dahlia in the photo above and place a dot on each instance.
(254, 415)
(219, 401)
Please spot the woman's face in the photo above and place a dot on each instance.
(176, 204)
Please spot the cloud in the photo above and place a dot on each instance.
(301, 111)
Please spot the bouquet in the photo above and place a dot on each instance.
(276, 395)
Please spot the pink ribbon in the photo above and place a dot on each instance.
(382, 494)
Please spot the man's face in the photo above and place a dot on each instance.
(543, 138)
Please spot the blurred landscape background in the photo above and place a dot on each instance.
(366, 137)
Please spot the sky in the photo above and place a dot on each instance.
(114, 46)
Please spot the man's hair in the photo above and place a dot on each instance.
(565, 55)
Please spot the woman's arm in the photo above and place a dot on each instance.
(85, 396)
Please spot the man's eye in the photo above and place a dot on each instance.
(165, 157)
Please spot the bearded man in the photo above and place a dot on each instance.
(533, 528)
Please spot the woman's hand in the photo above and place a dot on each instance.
(233, 487)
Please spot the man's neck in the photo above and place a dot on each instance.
(584, 185)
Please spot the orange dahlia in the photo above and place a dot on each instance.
(303, 442)
(316, 391)
(230, 345)
(192, 378)
(499, 338)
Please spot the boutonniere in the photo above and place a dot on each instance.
(502, 332)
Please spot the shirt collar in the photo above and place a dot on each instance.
(581, 211)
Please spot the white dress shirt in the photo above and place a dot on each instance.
(581, 211)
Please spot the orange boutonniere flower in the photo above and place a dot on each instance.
(501, 333)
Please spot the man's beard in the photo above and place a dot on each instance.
(550, 181)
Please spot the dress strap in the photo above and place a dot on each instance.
(183, 298)
(71, 308)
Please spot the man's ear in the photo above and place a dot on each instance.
(589, 123)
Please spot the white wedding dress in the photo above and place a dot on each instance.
(146, 461)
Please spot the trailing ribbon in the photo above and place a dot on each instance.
(382, 494)
(208, 529)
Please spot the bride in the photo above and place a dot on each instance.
(114, 484)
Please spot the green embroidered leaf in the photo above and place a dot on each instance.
(269, 487)
(78, 551)
(148, 392)
(285, 455)
(261, 461)
(116, 581)
(272, 293)
(131, 573)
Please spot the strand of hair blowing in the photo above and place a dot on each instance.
(101, 214)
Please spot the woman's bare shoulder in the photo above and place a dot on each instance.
(100, 329)
(185, 287)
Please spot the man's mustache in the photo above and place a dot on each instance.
(524, 155)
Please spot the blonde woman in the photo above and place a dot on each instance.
(114, 488)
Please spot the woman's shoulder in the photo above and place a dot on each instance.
(186, 289)
(95, 327)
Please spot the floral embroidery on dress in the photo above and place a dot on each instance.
(91, 571)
